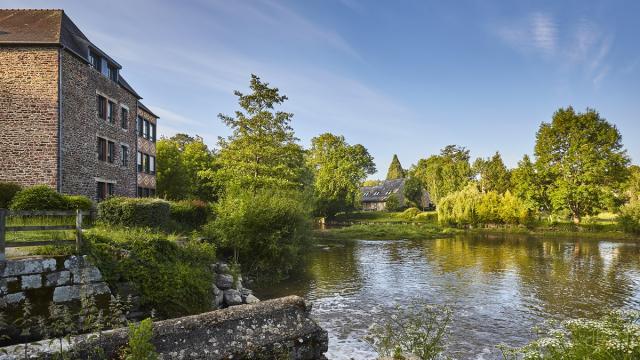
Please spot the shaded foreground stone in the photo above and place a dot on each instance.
(279, 328)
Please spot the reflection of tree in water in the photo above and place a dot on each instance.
(335, 269)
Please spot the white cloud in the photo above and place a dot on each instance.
(544, 32)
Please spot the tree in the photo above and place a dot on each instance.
(372, 182)
(339, 169)
(632, 187)
(172, 181)
(444, 173)
(262, 150)
(582, 156)
(527, 185)
(492, 174)
(413, 192)
(395, 169)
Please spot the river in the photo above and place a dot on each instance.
(498, 287)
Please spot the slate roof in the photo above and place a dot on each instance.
(143, 107)
(50, 27)
(381, 193)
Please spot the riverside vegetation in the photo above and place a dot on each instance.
(252, 199)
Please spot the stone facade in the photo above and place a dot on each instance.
(81, 126)
(28, 115)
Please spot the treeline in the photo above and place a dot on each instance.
(579, 168)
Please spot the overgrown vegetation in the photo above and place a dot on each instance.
(140, 346)
(132, 212)
(385, 232)
(8, 191)
(614, 336)
(173, 279)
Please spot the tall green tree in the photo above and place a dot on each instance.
(582, 156)
(413, 192)
(172, 180)
(339, 169)
(395, 169)
(262, 150)
(445, 173)
(528, 186)
(200, 165)
(632, 187)
(492, 174)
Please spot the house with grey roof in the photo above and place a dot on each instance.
(374, 198)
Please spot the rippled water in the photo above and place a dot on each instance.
(498, 286)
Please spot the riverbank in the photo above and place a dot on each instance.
(385, 232)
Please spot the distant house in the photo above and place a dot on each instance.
(374, 198)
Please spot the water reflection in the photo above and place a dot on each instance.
(498, 286)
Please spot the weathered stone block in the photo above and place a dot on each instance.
(85, 275)
(224, 281)
(72, 292)
(12, 299)
(28, 266)
(58, 278)
(31, 281)
(232, 297)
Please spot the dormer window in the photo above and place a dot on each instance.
(112, 72)
(95, 60)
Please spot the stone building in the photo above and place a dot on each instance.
(374, 198)
(68, 118)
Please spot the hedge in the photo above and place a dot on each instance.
(147, 212)
(40, 197)
(78, 202)
(7, 192)
(189, 213)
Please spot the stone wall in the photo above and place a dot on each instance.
(81, 126)
(58, 280)
(29, 115)
(273, 329)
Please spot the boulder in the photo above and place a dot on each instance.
(250, 299)
(31, 281)
(224, 281)
(58, 278)
(232, 297)
(222, 268)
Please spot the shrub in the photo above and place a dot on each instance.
(514, 210)
(146, 212)
(393, 203)
(190, 213)
(460, 208)
(410, 213)
(614, 336)
(7, 191)
(40, 197)
(488, 208)
(140, 346)
(267, 231)
(175, 280)
(629, 218)
(78, 202)
(427, 216)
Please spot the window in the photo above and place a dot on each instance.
(146, 192)
(124, 118)
(111, 154)
(104, 189)
(111, 112)
(139, 125)
(102, 149)
(102, 107)
(139, 191)
(145, 134)
(112, 72)
(124, 154)
(152, 132)
(95, 61)
(139, 157)
(152, 165)
(146, 164)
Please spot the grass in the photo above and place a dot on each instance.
(379, 217)
(385, 232)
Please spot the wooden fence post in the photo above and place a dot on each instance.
(78, 230)
(3, 223)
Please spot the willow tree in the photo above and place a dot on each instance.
(395, 169)
(582, 156)
(262, 150)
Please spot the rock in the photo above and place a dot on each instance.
(4, 284)
(250, 299)
(12, 299)
(86, 274)
(31, 281)
(75, 262)
(245, 292)
(224, 281)
(218, 297)
(72, 292)
(58, 278)
(222, 268)
(28, 266)
(232, 297)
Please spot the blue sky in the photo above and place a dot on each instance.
(405, 77)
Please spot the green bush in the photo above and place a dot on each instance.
(393, 203)
(267, 231)
(488, 208)
(7, 191)
(78, 202)
(140, 346)
(175, 280)
(460, 208)
(410, 213)
(427, 216)
(133, 212)
(614, 336)
(629, 218)
(190, 213)
(514, 210)
(40, 197)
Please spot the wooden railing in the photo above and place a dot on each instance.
(4, 229)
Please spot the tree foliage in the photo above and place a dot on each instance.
(492, 174)
(445, 173)
(581, 159)
(395, 169)
(262, 150)
(338, 169)
(413, 192)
